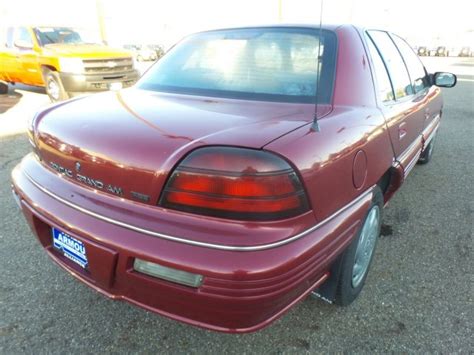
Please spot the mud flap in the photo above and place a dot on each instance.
(327, 291)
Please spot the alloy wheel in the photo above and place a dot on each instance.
(366, 246)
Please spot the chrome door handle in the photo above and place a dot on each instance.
(402, 131)
(427, 113)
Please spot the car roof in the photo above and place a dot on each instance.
(331, 27)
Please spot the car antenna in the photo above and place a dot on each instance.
(315, 125)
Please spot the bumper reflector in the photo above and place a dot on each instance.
(166, 273)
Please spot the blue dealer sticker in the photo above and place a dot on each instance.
(71, 248)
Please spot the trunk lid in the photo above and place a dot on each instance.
(126, 143)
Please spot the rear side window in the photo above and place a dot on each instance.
(394, 62)
(381, 75)
(416, 69)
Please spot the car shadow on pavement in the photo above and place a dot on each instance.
(13, 96)
(8, 100)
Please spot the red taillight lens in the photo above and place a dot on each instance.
(235, 183)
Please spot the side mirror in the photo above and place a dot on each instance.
(22, 44)
(444, 80)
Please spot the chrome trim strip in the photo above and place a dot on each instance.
(430, 138)
(433, 132)
(193, 242)
(411, 165)
(409, 150)
(434, 121)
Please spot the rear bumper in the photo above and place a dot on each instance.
(242, 291)
(82, 83)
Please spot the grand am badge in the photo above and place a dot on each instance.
(95, 183)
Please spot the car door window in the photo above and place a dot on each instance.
(22, 34)
(381, 76)
(394, 63)
(417, 72)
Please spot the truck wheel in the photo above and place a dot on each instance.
(3, 88)
(54, 86)
(427, 153)
(357, 258)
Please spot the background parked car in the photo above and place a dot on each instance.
(465, 52)
(141, 53)
(442, 51)
(423, 51)
(159, 50)
(63, 61)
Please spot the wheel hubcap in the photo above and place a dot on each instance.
(53, 89)
(366, 245)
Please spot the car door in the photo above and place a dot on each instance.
(404, 114)
(425, 94)
(27, 57)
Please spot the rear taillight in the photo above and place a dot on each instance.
(235, 183)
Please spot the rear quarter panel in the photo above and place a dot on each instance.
(325, 158)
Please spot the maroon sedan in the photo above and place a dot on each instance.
(248, 168)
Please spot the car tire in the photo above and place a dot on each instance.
(3, 88)
(427, 153)
(357, 258)
(54, 86)
(139, 58)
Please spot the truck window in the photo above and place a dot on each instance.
(22, 34)
(9, 39)
(55, 35)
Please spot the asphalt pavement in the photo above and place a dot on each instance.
(418, 296)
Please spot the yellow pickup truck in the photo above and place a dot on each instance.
(62, 61)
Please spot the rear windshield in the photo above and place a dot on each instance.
(266, 64)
